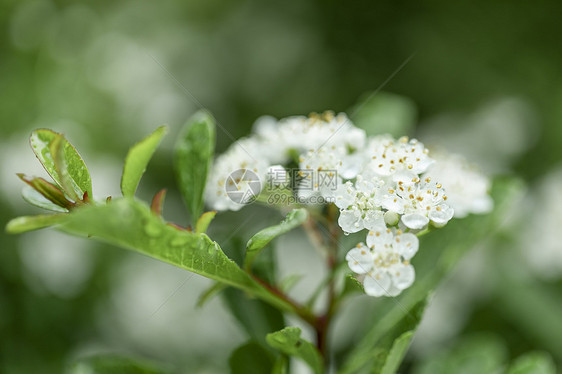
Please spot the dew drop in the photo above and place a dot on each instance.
(152, 229)
(179, 241)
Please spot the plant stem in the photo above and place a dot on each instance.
(332, 262)
(298, 309)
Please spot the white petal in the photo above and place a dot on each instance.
(442, 216)
(360, 259)
(393, 291)
(422, 165)
(393, 203)
(407, 245)
(415, 221)
(485, 204)
(377, 283)
(350, 166)
(265, 126)
(350, 220)
(406, 177)
(373, 219)
(403, 276)
(379, 237)
(345, 195)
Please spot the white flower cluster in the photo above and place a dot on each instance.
(467, 187)
(384, 261)
(392, 188)
(389, 186)
(275, 143)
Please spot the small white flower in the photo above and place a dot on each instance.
(245, 155)
(360, 205)
(384, 261)
(353, 219)
(467, 188)
(318, 174)
(388, 157)
(277, 176)
(299, 134)
(419, 202)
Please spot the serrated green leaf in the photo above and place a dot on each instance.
(33, 197)
(47, 191)
(115, 365)
(257, 242)
(250, 358)
(204, 221)
(29, 223)
(441, 251)
(289, 342)
(351, 286)
(533, 363)
(193, 156)
(137, 159)
(376, 347)
(397, 352)
(76, 173)
(130, 224)
(385, 113)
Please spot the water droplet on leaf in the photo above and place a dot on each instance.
(152, 229)
(179, 241)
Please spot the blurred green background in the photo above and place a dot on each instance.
(485, 77)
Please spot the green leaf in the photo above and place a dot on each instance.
(130, 224)
(137, 159)
(386, 342)
(73, 168)
(204, 221)
(289, 342)
(385, 113)
(397, 352)
(250, 358)
(351, 285)
(115, 365)
(533, 363)
(193, 156)
(46, 190)
(483, 353)
(29, 223)
(33, 197)
(441, 251)
(293, 219)
(281, 365)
